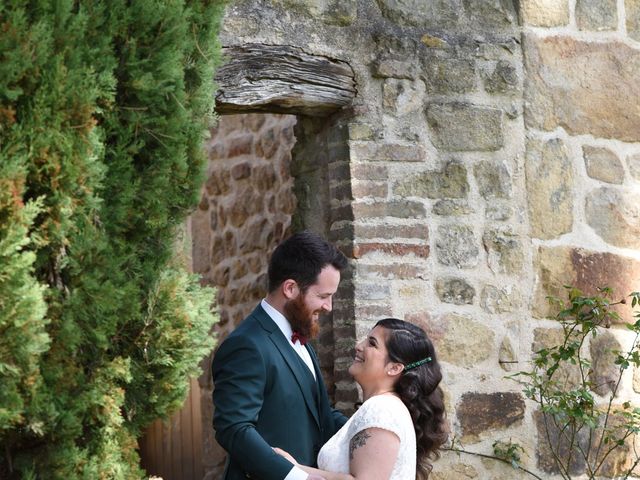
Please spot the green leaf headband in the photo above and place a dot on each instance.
(417, 364)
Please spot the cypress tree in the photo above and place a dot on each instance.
(103, 106)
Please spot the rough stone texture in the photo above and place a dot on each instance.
(633, 162)
(456, 246)
(604, 372)
(435, 14)
(455, 290)
(402, 97)
(632, 10)
(615, 465)
(449, 75)
(595, 79)
(482, 412)
(502, 78)
(567, 375)
(507, 357)
(450, 182)
(460, 340)
(500, 300)
(544, 454)
(504, 251)
(549, 175)
(498, 211)
(603, 164)
(460, 127)
(452, 207)
(493, 180)
(457, 471)
(545, 13)
(491, 14)
(614, 214)
(596, 14)
(586, 270)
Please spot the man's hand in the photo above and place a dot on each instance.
(287, 455)
(315, 477)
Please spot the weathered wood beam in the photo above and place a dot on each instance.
(282, 79)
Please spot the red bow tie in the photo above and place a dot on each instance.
(299, 337)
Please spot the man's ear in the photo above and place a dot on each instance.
(290, 289)
(394, 369)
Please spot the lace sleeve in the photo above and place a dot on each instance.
(382, 411)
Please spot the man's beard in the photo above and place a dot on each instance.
(301, 317)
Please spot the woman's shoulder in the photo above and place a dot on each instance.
(382, 411)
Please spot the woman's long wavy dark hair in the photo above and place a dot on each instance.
(418, 388)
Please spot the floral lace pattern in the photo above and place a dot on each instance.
(381, 411)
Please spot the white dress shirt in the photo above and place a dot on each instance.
(283, 324)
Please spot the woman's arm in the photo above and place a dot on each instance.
(372, 455)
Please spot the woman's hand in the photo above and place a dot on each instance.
(286, 455)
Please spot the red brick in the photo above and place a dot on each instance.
(399, 249)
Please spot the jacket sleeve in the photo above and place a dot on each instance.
(239, 377)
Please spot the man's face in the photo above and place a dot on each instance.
(303, 311)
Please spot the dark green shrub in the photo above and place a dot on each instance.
(103, 106)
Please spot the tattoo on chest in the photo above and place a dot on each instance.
(358, 440)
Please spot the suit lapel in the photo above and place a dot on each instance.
(304, 379)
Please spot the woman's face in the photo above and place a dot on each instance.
(371, 359)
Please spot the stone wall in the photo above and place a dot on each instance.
(492, 154)
(245, 210)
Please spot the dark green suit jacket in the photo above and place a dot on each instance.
(264, 396)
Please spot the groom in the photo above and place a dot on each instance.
(268, 391)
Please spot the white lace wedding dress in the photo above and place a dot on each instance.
(384, 411)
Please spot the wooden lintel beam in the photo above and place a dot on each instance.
(282, 79)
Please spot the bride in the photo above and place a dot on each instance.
(400, 426)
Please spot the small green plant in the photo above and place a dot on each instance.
(580, 433)
(508, 451)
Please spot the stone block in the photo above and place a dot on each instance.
(503, 78)
(434, 14)
(632, 10)
(418, 231)
(586, 270)
(614, 214)
(505, 253)
(369, 189)
(549, 178)
(493, 179)
(392, 66)
(603, 164)
(597, 15)
(240, 145)
(241, 171)
(544, 454)
(363, 171)
(482, 412)
(455, 290)
(465, 127)
(361, 131)
(545, 13)
(568, 375)
(452, 207)
(498, 211)
(456, 246)
(448, 75)
(497, 300)
(406, 271)
(604, 372)
(388, 152)
(395, 208)
(492, 14)
(457, 471)
(450, 182)
(583, 87)
(397, 249)
(507, 357)
(633, 162)
(218, 183)
(460, 340)
(402, 97)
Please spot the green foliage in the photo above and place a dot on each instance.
(508, 451)
(103, 107)
(578, 430)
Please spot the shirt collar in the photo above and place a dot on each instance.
(279, 319)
